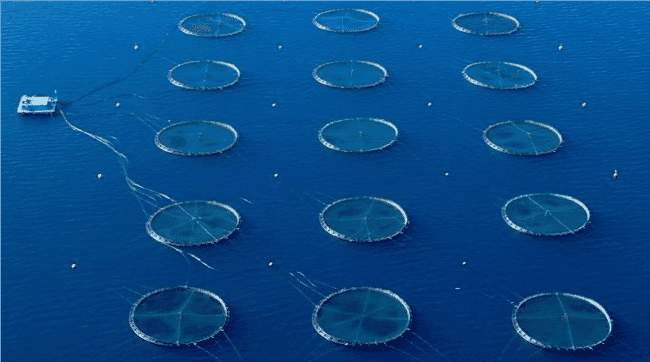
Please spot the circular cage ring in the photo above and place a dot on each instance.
(156, 317)
(487, 24)
(363, 219)
(211, 25)
(499, 75)
(196, 138)
(523, 138)
(344, 317)
(208, 75)
(346, 20)
(546, 214)
(342, 74)
(358, 135)
(193, 223)
(561, 321)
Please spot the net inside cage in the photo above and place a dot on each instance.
(363, 219)
(525, 138)
(546, 214)
(499, 75)
(361, 316)
(487, 24)
(561, 321)
(212, 25)
(178, 316)
(350, 74)
(196, 138)
(204, 75)
(193, 223)
(358, 135)
(346, 20)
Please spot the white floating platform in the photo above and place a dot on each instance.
(37, 105)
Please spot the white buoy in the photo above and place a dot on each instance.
(73, 266)
(100, 176)
(615, 175)
(446, 174)
(561, 47)
(464, 262)
(273, 105)
(270, 264)
(583, 104)
(420, 46)
(136, 47)
(429, 104)
(117, 105)
(275, 176)
(279, 47)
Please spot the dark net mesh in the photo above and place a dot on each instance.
(357, 316)
(196, 138)
(358, 135)
(526, 138)
(350, 74)
(192, 223)
(178, 316)
(204, 75)
(546, 214)
(346, 20)
(561, 321)
(499, 75)
(486, 24)
(212, 25)
(363, 219)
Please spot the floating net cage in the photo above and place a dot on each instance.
(346, 20)
(361, 316)
(499, 75)
(561, 321)
(212, 25)
(350, 74)
(485, 23)
(526, 138)
(363, 219)
(193, 223)
(358, 135)
(546, 214)
(178, 316)
(196, 138)
(204, 75)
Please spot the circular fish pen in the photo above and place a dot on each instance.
(196, 138)
(524, 138)
(561, 321)
(204, 75)
(361, 316)
(350, 74)
(346, 20)
(178, 316)
(192, 223)
(499, 75)
(212, 25)
(487, 24)
(546, 214)
(363, 219)
(358, 135)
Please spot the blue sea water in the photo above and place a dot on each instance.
(56, 212)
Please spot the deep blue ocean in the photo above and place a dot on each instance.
(56, 212)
